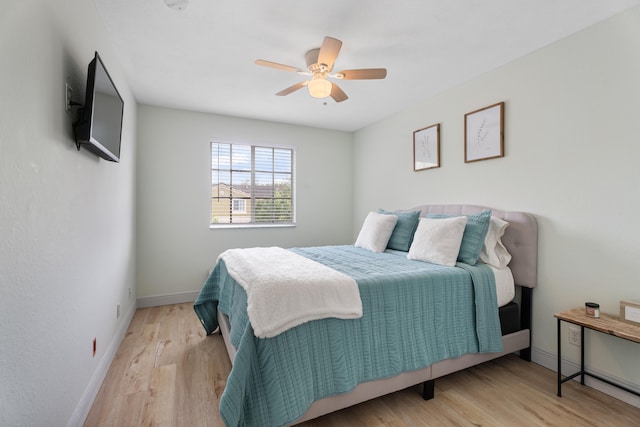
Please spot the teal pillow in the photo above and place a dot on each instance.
(473, 237)
(402, 235)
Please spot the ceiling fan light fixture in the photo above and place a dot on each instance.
(319, 87)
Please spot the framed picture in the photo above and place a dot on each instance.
(484, 133)
(426, 148)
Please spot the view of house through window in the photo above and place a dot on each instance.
(251, 184)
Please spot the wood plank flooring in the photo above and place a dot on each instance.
(168, 373)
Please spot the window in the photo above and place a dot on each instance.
(251, 185)
(239, 206)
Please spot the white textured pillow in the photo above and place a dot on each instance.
(376, 231)
(437, 240)
(493, 251)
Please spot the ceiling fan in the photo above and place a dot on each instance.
(319, 65)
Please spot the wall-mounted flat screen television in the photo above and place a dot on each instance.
(99, 125)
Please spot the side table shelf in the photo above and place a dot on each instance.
(606, 324)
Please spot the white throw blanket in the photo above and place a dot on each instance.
(285, 289)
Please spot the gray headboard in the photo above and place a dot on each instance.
(520, 237)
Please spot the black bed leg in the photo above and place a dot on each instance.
(428, 390)
(525, 319)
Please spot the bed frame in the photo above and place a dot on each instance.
(521, 239)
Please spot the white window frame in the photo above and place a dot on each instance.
(239, 206)
(251, 223)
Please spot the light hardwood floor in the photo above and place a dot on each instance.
(168, 373)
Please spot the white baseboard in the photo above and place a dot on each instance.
(158, 300)
(86, 401)
(550, 361)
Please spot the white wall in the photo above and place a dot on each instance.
(66, 218)
(572, 150)
(176, 248)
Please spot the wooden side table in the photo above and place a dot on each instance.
(605, 324)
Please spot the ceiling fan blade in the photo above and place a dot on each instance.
(329, 51)
(293, 88)
(337, 94)
(363, 74)
(277, 66)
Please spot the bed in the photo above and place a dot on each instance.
(422, 326)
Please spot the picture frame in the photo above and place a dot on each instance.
(484, 133)
(426, 148)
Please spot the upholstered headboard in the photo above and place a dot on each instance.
(520, 237)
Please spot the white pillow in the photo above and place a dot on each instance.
(437, 240)
(376, 231)
(493, 251)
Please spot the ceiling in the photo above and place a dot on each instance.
(202, 58)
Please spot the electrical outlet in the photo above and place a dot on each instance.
(68, 97)
(574, 335)
(118, 311)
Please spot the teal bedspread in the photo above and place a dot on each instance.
(414, 314)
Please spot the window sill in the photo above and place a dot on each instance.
(228, 226)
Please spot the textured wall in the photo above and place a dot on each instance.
(66, 217)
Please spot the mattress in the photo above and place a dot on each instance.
(505, 286)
